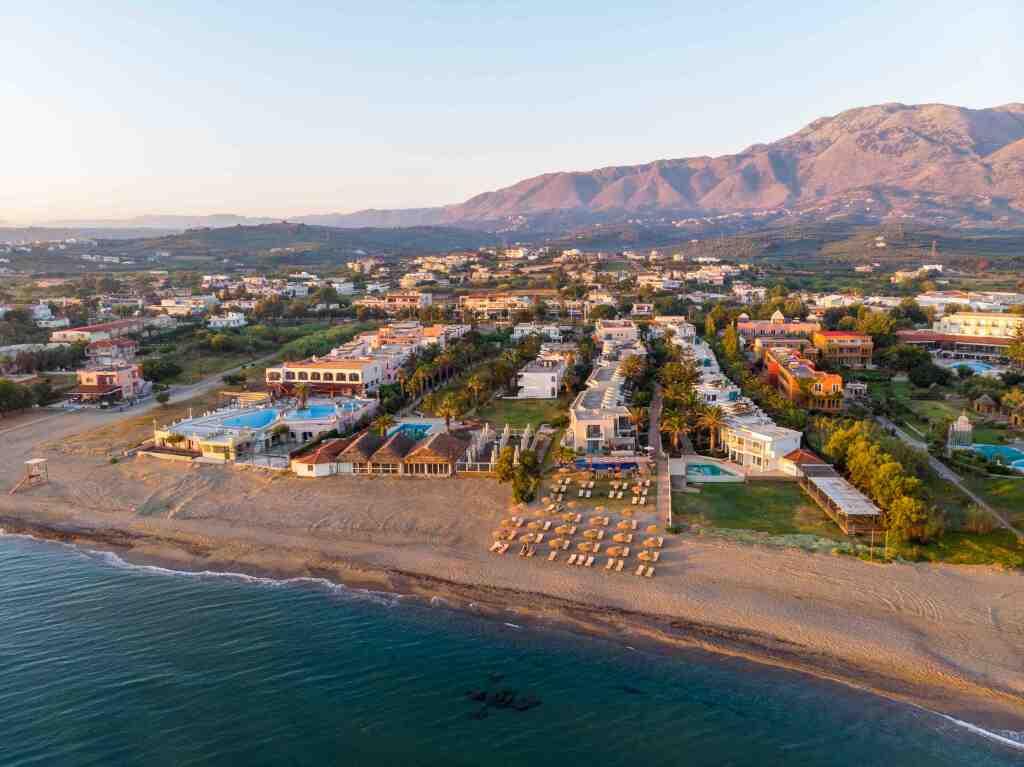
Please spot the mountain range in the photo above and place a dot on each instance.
(933, 163)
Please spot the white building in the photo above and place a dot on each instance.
(546, 331)
(542, 378)
(229, 320)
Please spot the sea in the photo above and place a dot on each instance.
(107, 663)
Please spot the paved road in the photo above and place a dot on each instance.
(660, 459)
(947, 473)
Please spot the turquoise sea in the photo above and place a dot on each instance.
(107, 664)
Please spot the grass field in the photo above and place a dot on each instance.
(998, 547)
(519, 413)
(777, 508)
(1004, 495)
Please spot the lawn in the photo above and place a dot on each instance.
(1004, 495)
(517, 413)
(195, 369)
(777, 508)
(998, 547)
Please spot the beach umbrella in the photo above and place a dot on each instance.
(508, 523)
(594, 521)
(652, 528)
(535, 525)
(563, 530)
(627, 512)
(568, 516)
(528, 538)
(624, 525)
(646, 556)
(556, 543)
(651, 543)
(621, 538)
(585, 546)
(592, 534)
(614, 551)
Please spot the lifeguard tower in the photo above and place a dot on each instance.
(37, 472)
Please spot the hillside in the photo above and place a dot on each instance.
(936, 163)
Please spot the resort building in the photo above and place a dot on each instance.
(234, 433)
(231, 320)
(598, 417)
(778, 325)
(617, 331)
(801, 382)
(100, 332)
(683, 331)
(414, 335)
(968, 335)
(548, 332)
(110, 374)
(328, 376)
(494, 306)
(397, 302)
(541, 378)
(797, 344)
(843, 348)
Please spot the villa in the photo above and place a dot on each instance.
(844, 348)
(111, 373)
(802, 383)
(541, 378)
(232, 320)
(230, 433)
(397, 302)
(599, 417)
(617, 331)
(102, 331)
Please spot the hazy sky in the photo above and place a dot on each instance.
(114, 109)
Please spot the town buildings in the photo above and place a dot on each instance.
(110, 374)
(99, 332)
(397, 302)
(968, 335)
(229, 320)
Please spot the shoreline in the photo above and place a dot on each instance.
(986, 709)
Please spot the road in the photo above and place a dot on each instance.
(947, 473)
(660, 459)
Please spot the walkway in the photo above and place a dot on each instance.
(947, 473)
(660, 459)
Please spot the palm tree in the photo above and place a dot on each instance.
(712, 419)
(448, 409)
(475, 386)
(302, 394)
(633, 368)
(676, 425)
(637, 417)
(382, 423)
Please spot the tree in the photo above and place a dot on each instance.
(710, 328)
(633, 367)
(476, 386)
(1015, 351)
(907, 519)
(675, 424)
(160, 369)
(163, 397)
(448, 409)
(382, 423)
(731, 341)
(302, 394)
(505, 468)
(712, 419)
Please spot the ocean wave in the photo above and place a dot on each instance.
(1006, 737)
(110, 559)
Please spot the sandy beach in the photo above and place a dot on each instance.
(948, 638)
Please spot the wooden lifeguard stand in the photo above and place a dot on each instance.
(37, 472)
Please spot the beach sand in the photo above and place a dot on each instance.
(950, 638)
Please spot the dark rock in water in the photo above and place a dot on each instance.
(502, 698)
(480, 713)
(496, 677)
(631, 690)
(526, 702)
(477, 695)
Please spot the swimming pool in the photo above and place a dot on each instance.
(707, 470)
(974, 365)
(416, 431)
(1008, 456)
(259, 419)
(313, 411)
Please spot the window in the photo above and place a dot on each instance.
(303, 376)
(352, 376)
(289, 376)
(273, 376)
(314, 376)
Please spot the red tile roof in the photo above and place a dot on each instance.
(801, 456)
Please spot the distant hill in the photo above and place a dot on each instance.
(171, 223)
(932, 162)
(288, 241)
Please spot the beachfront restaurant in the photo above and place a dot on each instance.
(842, 502)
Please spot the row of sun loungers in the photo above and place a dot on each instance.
(645, 570)
(580, 560)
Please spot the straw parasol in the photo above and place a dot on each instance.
(569, 516)
(652, 528)
(592, 534)
(646, 556)
(535, 526)
(627, 512)
(508, 523)
(585, 546)
(564, 530)
(624, 525)
(556, 543)
(622, 537)
(614, 551)
(651, 543)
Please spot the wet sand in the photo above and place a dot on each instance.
(948, 638)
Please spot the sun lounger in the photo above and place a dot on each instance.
(580, 494)
(649, 572)
(504, 548)
(547, 525)
(590, 561)
(581, 560)
(538, 538)
(610, 565)
(552, 556)
(572, 559)
(531, 551)
(661, 542)
(639, 570)
(635, 500)
(620, 565)
(496, 545)
(625, 552)
(565, 545)
(655, 556)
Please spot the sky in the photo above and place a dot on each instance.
(112, 109)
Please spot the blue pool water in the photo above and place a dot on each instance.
(1010, 456)
(707, 470)
(583, 463)
(313, 411)
(415, 431)
(259, 419)
(105, 664)
(977, 367)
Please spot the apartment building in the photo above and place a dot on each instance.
(541, 378)
(396, 302)
(99, 332)
(328, 376)
(502, 306)
(843, 348)
(778, 325)
(618, 331)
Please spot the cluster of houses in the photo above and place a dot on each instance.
(981, 336)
